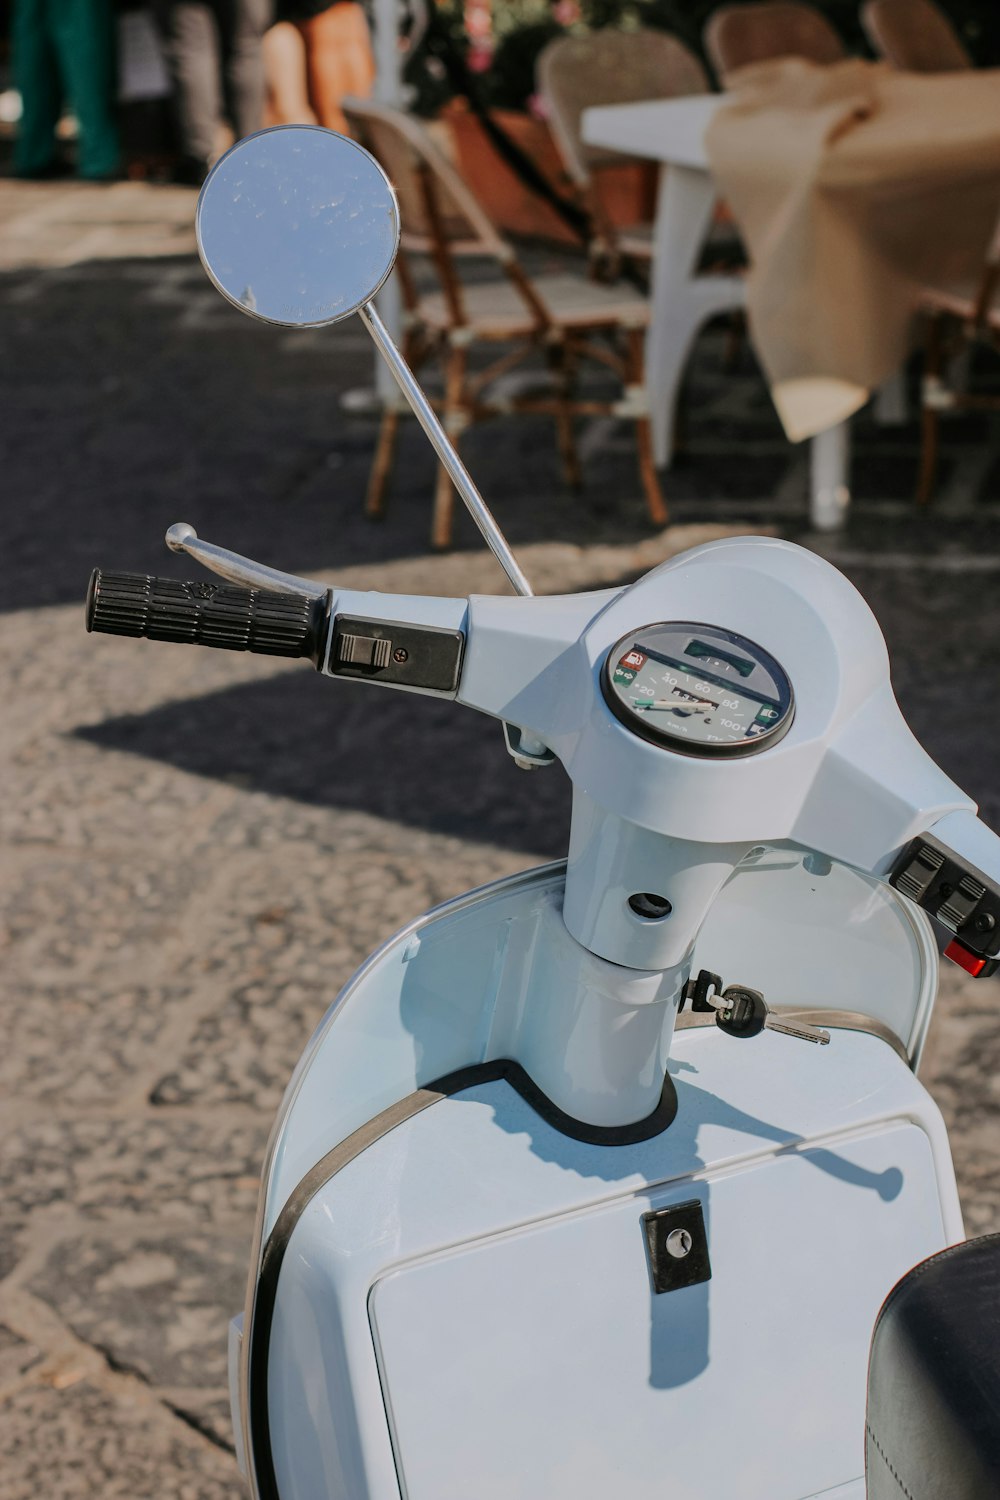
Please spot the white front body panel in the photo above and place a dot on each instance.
(451, 1295)
(466, 1307)
(464, 1304)
(538, 1363)
(475, 979)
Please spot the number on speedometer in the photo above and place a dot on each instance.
(698, 689)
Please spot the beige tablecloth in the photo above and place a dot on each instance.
(853, 186)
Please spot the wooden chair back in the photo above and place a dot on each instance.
(738, 35)
(437, 208)
(914, 36)
(440, 216)
(609, 67)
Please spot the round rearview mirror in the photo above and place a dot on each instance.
(297, 226)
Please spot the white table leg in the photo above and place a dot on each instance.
(681, 301)
(830, 459)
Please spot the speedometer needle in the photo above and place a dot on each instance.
(683, 705)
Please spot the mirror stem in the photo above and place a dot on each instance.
(460, 476)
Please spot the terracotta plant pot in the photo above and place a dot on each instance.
(628, 191)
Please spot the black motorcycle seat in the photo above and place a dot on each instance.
(933, 1428)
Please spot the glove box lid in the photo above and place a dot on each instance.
(541, 1362)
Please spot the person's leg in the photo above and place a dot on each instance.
(285, 72)
(37, 80)
(83, 33)
(340, 60)
(242, 24)
(191, 44)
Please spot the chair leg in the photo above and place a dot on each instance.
(657, 506)
(382, 464)
(561, 364)
(930, 416)
(930, 424)
(444, 492)
(385, 446)
(444, 505)
(655, 503)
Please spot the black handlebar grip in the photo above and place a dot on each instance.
(207, 614)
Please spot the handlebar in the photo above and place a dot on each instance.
(207, 614)
(872, 798)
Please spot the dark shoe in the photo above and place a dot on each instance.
(189, 172)
(51, 171)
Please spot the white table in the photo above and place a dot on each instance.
(672, 132)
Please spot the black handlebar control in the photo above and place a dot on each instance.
(207, 614)
(964, 900)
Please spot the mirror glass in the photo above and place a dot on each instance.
(298, 226)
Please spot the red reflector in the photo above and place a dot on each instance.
(970, 962)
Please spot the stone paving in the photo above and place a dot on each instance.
(54, 224)
(199, 848)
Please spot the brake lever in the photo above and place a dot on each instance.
(183, 538)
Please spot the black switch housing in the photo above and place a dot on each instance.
(959, 896)
(420, 656)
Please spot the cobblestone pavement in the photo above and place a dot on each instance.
(198, 849)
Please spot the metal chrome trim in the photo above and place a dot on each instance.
(181, 537)
(499, 1070)
(537, 875)
(840, 1020)
(699, 749)
(275, 322)
(923, 932)
(540, 874)
(446, 452)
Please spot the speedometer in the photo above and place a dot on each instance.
(698, 689)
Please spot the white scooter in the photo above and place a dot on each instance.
(551, 1211)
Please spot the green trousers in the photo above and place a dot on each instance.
(64, 51)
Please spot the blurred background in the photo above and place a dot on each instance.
(198, 848)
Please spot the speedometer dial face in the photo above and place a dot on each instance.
(698, 689)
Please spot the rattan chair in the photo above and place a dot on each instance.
(738, 35)
(957, 319)
(610, 67)
(914, 36)
(566, 317)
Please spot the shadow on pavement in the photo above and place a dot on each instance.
(135, 397)
(407, 759)
(435, 765)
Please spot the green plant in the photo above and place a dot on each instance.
(510, 82)
(521, 28)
